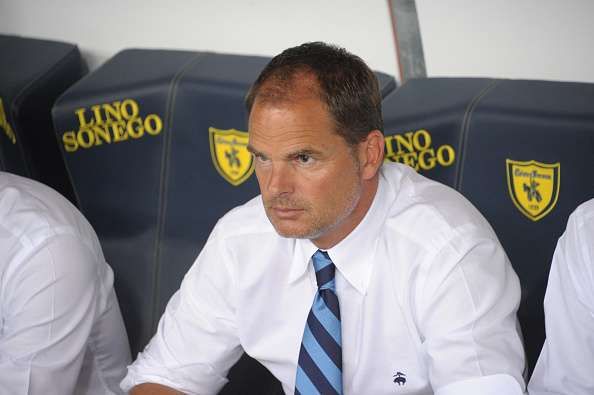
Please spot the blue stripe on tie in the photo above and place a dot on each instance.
(328, 321)
(314, 373)
(325, 364)
(325, 340)
(331, 301)
(325, 276)
(306, 387)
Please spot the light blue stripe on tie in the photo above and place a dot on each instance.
(327, 318)
(320, 262)
(305, 387)
(329, 285)
(325, 364)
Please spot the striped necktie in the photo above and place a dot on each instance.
(319, 369)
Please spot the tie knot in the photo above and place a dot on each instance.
(324, 269)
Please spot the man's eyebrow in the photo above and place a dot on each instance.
(290, 155)
(304, 151)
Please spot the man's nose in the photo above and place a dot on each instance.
(280, 179)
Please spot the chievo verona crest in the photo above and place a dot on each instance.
(5, 126)
(533, 186)
(230, 155)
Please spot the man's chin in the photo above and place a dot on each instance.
(293, 227)
(292, 233)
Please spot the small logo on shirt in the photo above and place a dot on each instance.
(400, 378)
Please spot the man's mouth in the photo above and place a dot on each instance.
(286, 212)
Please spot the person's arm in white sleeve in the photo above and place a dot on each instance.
(468, 319)
(49, 301)
(566, 362)
(196, 342)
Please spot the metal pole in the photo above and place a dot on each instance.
(407, 34)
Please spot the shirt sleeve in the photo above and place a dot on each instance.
(196, 341)
(467, 318)
(49, 303)
(567, 358)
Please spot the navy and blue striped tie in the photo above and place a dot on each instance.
(319, 369)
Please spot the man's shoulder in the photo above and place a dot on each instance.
(428, 211)
(578, 239)
(244, 220)
(34, 212)
(44, 233)
(583, 216)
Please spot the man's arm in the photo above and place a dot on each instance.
(197, 340)
(567, 357)
(49, 304)
(467, 314)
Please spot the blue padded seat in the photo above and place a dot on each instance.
(33, 73)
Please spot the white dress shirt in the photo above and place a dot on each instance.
(424, 288)
(566, 362)
(61, 331)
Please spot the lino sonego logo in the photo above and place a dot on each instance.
(110, 123)
(416, 149)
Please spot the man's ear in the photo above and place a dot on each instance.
(371, 154)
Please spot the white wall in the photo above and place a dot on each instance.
(260, 27)
(535, 39)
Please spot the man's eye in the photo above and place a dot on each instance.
(260, 158)
(304, 158)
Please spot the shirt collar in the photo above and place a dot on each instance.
(353, 256)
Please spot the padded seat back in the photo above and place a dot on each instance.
(528, 163)
(113, 127)
(423, 121)
(33, 74)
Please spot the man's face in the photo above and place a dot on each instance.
(308, 175)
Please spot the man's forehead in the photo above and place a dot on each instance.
(285, 139)
(299, 86)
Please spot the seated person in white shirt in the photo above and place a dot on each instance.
(566, 362)
(61, 331)
(427, 298)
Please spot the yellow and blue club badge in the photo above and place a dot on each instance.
(533, 186)
(230, 156)
(5, 126)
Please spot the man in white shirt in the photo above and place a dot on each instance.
(61, 331)
(427, 298)
(566, 362)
